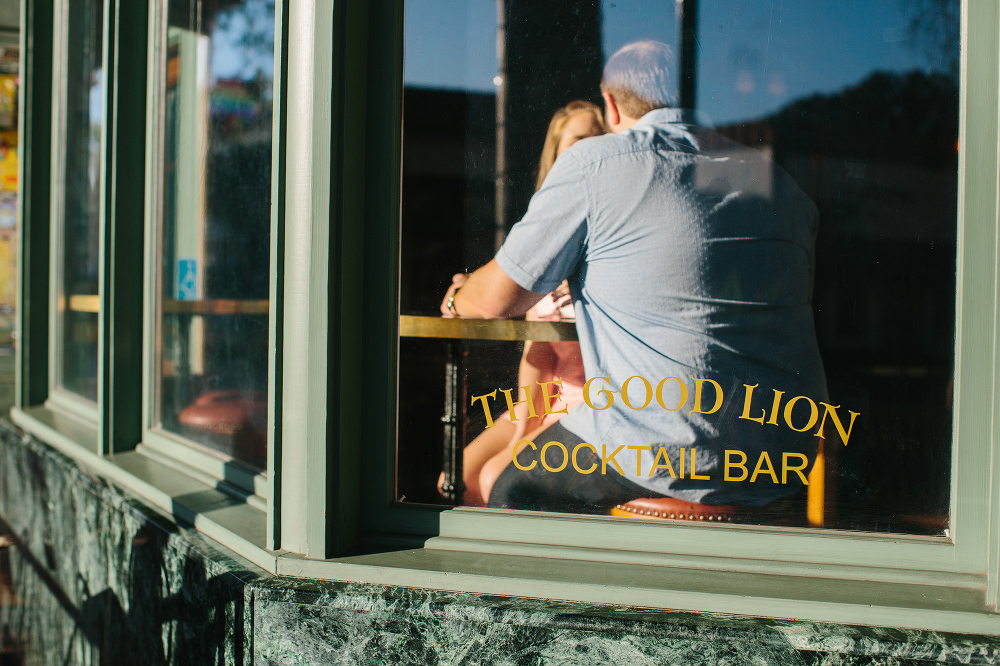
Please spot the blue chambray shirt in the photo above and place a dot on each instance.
(688, 256)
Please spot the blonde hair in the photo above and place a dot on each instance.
(556, 127)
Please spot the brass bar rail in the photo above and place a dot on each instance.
(413, 326)
(217, 306)
(83, 303)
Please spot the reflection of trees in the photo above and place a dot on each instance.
(934, 30)
(909, 117)
(248, 27)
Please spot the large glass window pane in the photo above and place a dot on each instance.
(214, 226)
(79, 205)
(753, 242)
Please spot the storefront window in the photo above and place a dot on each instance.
(746, 260)
(79, 208)
(214, 226)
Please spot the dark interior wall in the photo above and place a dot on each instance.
(554, 55)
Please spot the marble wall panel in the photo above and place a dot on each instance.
(368, 625)
(101, 578)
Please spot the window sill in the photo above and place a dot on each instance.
(60, 428)
(230, 520)
(231, 476)
(902, 605)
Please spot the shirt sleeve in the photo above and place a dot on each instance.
(546, 246)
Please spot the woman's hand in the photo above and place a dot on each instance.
(563, 302)
(561, 291)
(457, 280)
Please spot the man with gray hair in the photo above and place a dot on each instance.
(690, 262)
(637, 78)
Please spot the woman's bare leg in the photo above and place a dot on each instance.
(493, 467)
(484, 447)
(537, 362)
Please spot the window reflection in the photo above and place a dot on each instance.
(77, 305)
(858, 105)
(214, 225)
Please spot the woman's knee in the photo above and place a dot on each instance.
(491, 471)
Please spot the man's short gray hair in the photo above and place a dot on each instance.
(638, 77)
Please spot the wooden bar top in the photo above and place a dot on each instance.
(218, 306)
(413, 326)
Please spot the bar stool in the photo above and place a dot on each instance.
(820, 502)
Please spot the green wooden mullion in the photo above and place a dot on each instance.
(979, 164)
(381, 279)
(122, 318)
(347, 296)
(309, 196)
(105, 226)
(975, 486)
(35, 154)
(277, 284)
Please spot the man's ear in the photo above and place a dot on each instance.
(611, 113)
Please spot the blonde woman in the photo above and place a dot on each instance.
(487, 455)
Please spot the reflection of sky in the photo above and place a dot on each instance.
(243, 42)
(95, 101)
(754, 56)
(451, 44)
(95, 105)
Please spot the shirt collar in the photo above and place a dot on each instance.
(667, 116)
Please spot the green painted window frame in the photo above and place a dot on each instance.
(108, 436)
(329, 510)
(39, 404)
(38, 399)
(350, 238)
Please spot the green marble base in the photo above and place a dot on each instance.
(102, 578)
(357, 624)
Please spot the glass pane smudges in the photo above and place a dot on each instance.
(214, 226)
(850, 112)
(82, 179)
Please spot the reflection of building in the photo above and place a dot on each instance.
(545, 64)
(218, 146)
